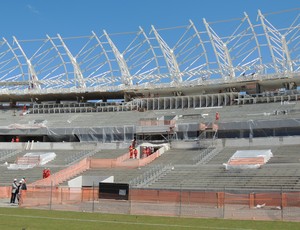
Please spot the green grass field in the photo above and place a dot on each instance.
(31, 219)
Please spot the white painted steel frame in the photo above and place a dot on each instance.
(149, 60)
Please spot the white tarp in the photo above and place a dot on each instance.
(267, 154)
(44, 158)
(244, 154)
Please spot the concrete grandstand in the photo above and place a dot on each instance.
(196, 100)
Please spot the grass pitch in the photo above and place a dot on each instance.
(32, 219)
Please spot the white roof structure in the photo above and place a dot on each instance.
(184, 55)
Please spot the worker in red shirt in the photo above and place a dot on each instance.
(135, 152)
(130, 151)
(217, 116)
(133, 143)
(148, 151)
(48, 172)
(144, 151)
(44, 173)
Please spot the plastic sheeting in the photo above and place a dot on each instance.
(97, 134)
(45, 157)
(266, 154)
(37, 158)
(248, 159)
(88, 134)
(251, 128)
(184, 131)
(260, 124)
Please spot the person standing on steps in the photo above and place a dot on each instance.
(19, 192)
(14, 188)
(133, 143)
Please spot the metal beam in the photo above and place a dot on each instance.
(104, 52)
(59, 54)
(255, 38)
(268, 40)
(126, 77)
(289, 64)
(15, 56)
(170, 58)
(151, 48)
(201, 43)
(221, 52)
(77, 72)
(33, 78)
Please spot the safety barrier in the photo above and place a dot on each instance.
(222, 203)
(64, 174)
(123, 161)
(5, 191)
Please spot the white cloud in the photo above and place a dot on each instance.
(32, 9)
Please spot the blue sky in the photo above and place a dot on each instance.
(31, 19)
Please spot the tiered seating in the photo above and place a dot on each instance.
(213, 175)
(35, 173)
(7, 153)
(286, 154)
(178, 156)
(83, 107)
(79, 156)
(210, 177)
(185, 174)
(121, 175)
(109, 153)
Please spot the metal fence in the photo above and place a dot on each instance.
(201, 203)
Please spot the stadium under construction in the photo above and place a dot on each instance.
(196, 94)
(181, 83)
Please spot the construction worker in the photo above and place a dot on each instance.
(133, 143)
(130, 151)
(144, 151)
(135, 152)
(148, 151)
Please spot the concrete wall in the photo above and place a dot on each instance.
(62, 145)
(185, 144)
(274, 141)
(81, 181)
(238, 142)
